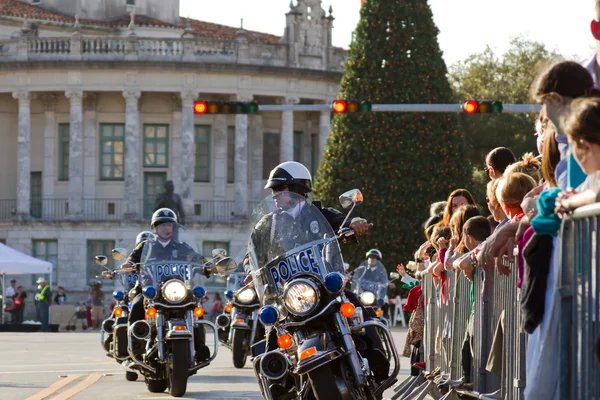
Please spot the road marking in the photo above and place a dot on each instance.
(60, 370)
(54, 388)
(89, 381)
(53, 365)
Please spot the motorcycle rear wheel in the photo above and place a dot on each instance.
(238, 350)
(179, 368)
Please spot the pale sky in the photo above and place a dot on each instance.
(466, 26)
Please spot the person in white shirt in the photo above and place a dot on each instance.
(11, 291)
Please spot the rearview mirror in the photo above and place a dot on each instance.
(351, 197)
(101, 260)
(394, 275)
(119, 253)
(226, 265)
(219, 252)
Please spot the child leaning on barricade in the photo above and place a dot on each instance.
(475, 232)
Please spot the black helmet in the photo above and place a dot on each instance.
(163, 215)
(143, 236)
(293, 175)
(374, 253)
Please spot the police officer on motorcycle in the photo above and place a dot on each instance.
(294, 177)
(374, 270)
(164, 225)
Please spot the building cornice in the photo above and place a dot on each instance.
(23, 67)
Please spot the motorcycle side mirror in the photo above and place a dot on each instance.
(346, 267)
(119, 253)
(351, 198)
(219, 252)
(394, 275)
(101, 260)
(226, 265)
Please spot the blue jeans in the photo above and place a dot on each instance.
(44, 310)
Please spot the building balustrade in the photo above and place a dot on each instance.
(54, 209)
(133, 48)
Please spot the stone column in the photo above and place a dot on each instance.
(24, 155)
(49, 175)
(256, 143)
(324, 128)
(220, 138)
(175, 148)
(90, 140)
(132, 154)
(286, 144)
(186, 163)
(75, 153)
(241, 163)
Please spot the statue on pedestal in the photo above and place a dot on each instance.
(170, 199)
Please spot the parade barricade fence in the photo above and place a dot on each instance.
(579, 305)
(496, 302)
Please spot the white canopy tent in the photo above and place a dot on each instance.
(13, 262)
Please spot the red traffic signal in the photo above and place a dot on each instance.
(200, 107)
(470, 107)
(339, 106)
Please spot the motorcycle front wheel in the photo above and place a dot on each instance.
(333, 381)
(238, 349)
(178, 371)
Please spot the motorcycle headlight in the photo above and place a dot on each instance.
(367, 298)
(246, 296)
(174, 291)
(301, 297)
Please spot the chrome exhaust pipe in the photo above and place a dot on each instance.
(223, 321)
(108, 325)
(140, 330)
(274, 365)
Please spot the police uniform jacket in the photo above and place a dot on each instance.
(279, 232)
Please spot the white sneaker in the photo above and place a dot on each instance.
(497, 395)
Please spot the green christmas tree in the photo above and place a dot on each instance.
(402, 162)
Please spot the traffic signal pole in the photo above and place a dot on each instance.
(420, 108)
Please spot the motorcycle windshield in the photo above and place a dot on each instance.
(370, 279)
(290, 238)
(235, 281)
(171, 254)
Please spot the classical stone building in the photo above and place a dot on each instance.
(96, 112)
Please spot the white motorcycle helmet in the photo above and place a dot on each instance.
(293, 175)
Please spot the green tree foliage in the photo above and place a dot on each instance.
(485, 76)
(401, 161)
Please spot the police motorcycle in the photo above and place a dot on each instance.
(238, 325)
(370, 284)
(300, 282)
(163, 346)
(113, 335)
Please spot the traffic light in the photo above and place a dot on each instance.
(482, 107)
(350, 106)
(226, 107)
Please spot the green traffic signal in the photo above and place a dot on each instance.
(365, 106)
(497, 107)
(252, 107)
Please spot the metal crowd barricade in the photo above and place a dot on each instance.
(579, 291)
(494, 295)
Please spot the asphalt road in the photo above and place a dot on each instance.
(60, 366)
